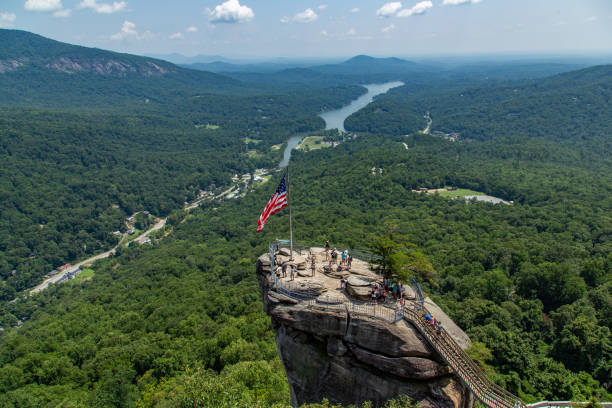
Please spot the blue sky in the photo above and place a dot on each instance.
(322, 28)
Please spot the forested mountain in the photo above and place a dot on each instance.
(364, 64)
(529, 282)
(39, 72)
(72, 175)
(173, 323)
(362, 69)
(568, 106)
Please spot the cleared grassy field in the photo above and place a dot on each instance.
(312, 143)
(460, 192)
(87, 273)
(208, 126)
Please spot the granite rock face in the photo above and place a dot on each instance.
(331, 352)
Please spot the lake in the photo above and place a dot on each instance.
(335, 119)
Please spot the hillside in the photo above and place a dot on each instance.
(82, 151)
(37, 71)
(565, 106)
(180, 320)
(366, 65)
(177, 322)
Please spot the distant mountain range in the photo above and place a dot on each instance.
(37, 71)
(359, 65)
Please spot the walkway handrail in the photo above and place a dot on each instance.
(489, 393)
(469, 373)
(418, 292)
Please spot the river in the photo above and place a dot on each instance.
(335, 119)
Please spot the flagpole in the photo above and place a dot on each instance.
(290, 226)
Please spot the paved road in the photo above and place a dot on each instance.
(54, 279)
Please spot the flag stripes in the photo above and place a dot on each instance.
(276, 203)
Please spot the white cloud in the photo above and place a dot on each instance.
(176, 36)
(418, 8)
(285, 19)
(103, 8)
(388, 28)
(43, 5)
(322, 7)
(192, 29)
(351, 32)
(231, 12)
(306, 16)
(389, 9)
(459, 2)
(324, 33)
(355, 10)
(7, 20)
(590, 19)
(62, 13)
(128, 30)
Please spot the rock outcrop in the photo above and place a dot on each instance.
(330, 351)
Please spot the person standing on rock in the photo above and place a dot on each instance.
(349, 260)
(327, 244)
(284, 269)
(313, 268)
(440, 328)
(344, 257)
(292, 272)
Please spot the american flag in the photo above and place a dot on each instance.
(276, 203)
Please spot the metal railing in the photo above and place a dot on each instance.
(293, 291)
(301, 247)
(418, 292)
(485, 390)
(468, 372)
(489, 393)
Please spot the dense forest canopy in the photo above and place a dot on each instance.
(170, 323)
(114, 145)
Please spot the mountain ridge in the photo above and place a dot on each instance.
(38, 71)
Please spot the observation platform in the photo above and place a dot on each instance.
(392, 335)
(325, 287)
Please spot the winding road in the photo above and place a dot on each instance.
(56, 278)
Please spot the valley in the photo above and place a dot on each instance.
(488, 183)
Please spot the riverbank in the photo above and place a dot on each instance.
(334, 119)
